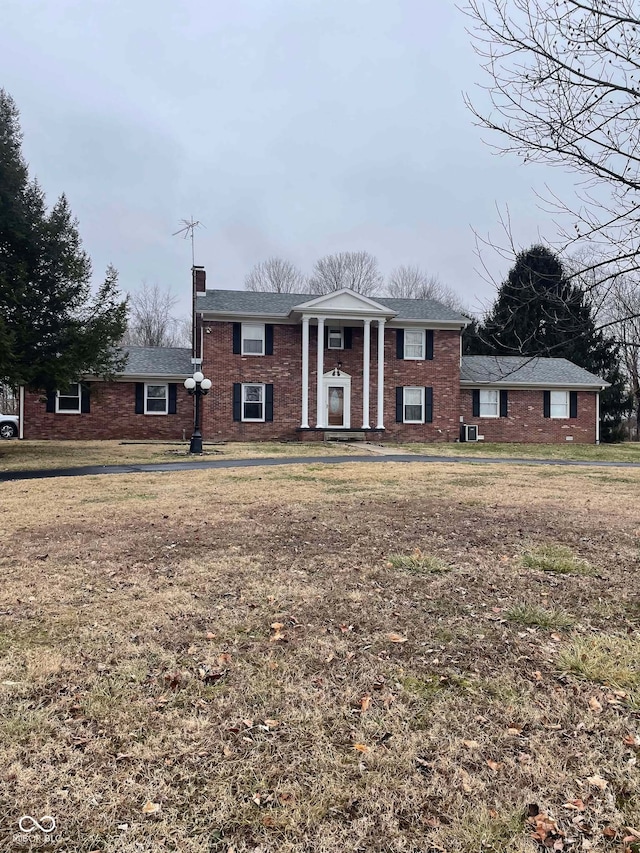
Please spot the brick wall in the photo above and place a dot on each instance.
(284, 370)
(112, 416)
(526, 421)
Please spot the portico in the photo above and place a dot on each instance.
(332, 315)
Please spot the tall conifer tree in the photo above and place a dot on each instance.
(51, 328)
(538, 311)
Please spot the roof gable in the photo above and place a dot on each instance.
(344, 301)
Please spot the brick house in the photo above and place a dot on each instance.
(287, 366)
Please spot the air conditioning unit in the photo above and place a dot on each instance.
(469, 432)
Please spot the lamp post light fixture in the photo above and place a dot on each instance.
(197, 386)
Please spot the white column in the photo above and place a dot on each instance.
(366, 359)
(380, 424)
(320, 369)
(305, 373)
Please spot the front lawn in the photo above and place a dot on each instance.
(323, 660)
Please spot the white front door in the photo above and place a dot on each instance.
(337, 400)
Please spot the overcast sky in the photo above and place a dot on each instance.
(288, 127)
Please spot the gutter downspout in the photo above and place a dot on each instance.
(597, 417)
(21, 413)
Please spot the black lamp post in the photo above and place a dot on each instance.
(197, 386)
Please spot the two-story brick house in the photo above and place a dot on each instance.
(286, 366)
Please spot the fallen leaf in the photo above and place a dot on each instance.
(365, 703)
(224, 659)
(575, 804)
(272, 723)
(609, 832)
(471, 744)
(632, 740)
(210, 636)
(597, 782)
(397, 638)
(361, 747)
(151, 808)
(595, 705)
(513, 731)
(466, 781)
(494, 765)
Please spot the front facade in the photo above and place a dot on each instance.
(286, 366)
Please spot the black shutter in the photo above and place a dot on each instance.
(237, 401)
(429, 343)
(504, 404)
(573, 404)
(268, 402)
(348, 337)
(475, 403)
(139, 398)
(237, 335)
(173, 398)
(428, 405)
(399, 402)
(268, 339)
(85, 399)
(546, 404)
(399, 343)
(51, 401)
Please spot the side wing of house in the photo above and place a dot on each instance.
(530, 400)
(146, 402)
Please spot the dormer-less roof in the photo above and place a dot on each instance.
(157, 362)
(243, 303)
(533, 371)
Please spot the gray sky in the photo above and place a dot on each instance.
(288, 127)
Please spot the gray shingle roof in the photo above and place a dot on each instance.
(518, 370)
(158, 361)
(244, 302)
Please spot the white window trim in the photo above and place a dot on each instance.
(262, 338)
(567, 398)
(490, 391)
(243, 401)
(404, 404)
(422, 357)
(340, 332)
(166, 398)
(77, 411)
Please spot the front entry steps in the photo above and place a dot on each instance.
(344, 435)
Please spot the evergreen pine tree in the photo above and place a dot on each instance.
(538, 311)
(51, 329)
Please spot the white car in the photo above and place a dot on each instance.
(8, 426)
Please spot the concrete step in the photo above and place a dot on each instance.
(344, 435)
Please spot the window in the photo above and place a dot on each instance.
(253, 339)
(253, 402)
(335, 339)
(414, 343)
(68, 400)
(489, 404)
(559, 404)
(413, 406)
(155, 399)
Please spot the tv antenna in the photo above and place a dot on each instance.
(186, 232)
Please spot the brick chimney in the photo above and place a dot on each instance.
(199, 278)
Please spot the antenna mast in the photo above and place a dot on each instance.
(187, 232)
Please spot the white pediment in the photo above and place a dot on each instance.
(340, 302)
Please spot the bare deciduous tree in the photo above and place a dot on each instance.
(564, 83)
(412, 282)
(151, 319)
(622, 311)
(275, 275)
(355, 270)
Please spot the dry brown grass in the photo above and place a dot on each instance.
(29, 455)
(233, 646)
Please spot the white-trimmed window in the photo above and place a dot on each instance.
(68, 400)
(489, 404)
(413, 405)
(414, 344)
(335, 338)
(253, 339)
(253, 402)
(156, 399)
(559, 404)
